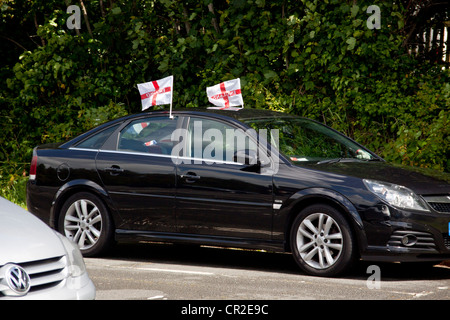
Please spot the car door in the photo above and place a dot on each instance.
(217, 195)
(138, 172)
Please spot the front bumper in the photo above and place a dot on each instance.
(409, 236)
(79, 288)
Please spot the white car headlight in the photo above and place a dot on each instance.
(76, 263)
(395, 195)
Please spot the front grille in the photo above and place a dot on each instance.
(46, 273)
(440, 207)
(414, 239)
(439, 203)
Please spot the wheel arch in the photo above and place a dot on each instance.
(73, 187)
(313, 196)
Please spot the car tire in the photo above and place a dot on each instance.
(322, 242)
(85, 220)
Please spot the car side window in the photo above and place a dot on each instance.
(98, 139)
(217, 141)
(148, 135)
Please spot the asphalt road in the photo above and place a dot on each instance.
(171, 272)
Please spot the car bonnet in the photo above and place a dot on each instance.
(423, 182)
(23, 237)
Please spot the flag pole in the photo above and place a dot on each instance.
(242, 97)
(171, 98)
(170, 111)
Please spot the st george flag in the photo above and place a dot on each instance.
(156, 92)
(226, 95)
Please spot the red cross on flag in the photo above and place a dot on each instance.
(226, 95)
(156, 92)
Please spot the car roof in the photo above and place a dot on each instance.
(241, 115)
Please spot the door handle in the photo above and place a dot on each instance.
(114, 170)
(190, 177)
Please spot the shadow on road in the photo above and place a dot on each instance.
(261, 261)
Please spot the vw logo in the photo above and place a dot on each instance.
(17, 280)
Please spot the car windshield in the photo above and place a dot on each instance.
(305, 140)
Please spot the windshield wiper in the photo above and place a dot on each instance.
(335, 160)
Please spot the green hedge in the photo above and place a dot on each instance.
(313, 58)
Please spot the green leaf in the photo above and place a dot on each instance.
(269, 74)
(351, 43)
(309, 85)
(116, 10)
(354, 10)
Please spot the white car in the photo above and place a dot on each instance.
(36, 262)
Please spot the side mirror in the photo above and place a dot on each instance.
(250, 159)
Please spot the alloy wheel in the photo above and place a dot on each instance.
(319, 241)
(83, 223)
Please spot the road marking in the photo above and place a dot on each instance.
(414, 294)
(422, 294)
(155, 298)
(172, 270)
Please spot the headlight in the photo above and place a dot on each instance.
(76, 262)
(397, 196)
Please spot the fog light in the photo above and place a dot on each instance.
(409, 240)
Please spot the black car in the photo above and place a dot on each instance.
(250, 178)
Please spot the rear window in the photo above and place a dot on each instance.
(97, 140)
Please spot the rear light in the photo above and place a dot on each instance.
(33, 166)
